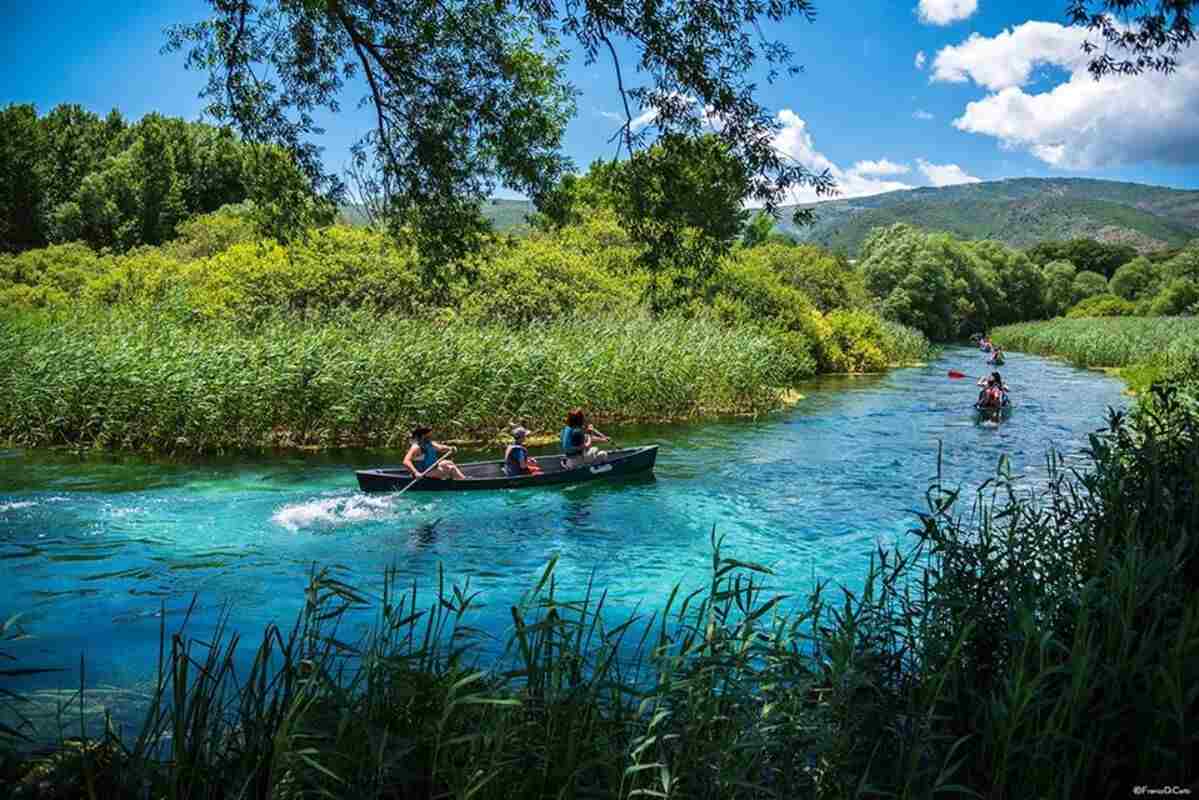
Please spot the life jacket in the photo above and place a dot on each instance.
(516, 460)
(428, 456)
(992, 397)
(572, 441)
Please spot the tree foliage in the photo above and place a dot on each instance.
(468, 94)
(1086, 255)
(1134, 35)
(74, 176)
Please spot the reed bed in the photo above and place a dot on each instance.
(1019, 645)
(1105, 342)
(157, 381)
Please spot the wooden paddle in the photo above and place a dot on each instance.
(426, 472)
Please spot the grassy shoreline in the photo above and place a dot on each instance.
(125, 380)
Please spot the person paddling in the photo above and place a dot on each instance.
(577, 438)
(517, 460)
(996, 356)
(993, 393)
(422, 457)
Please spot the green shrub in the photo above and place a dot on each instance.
(1087, 284)
(1176, 298)
(1103, 305)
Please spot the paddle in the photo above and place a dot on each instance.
(426, 472)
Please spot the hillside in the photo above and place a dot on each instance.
(1019, 212)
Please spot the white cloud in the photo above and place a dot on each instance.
(796, 141)
(880, 167)
(945, 174)
(921, 114)
(644, 118)
(1080, 123)
(943, 12)
(920, 59)
(1008, 59)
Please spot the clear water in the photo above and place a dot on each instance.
(91, 548)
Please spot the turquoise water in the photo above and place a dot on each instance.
(91, 548)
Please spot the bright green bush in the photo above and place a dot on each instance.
(1103, 305)
(856, 335)
(829, 281)
(1087, 284)
(1176, 298)
(1135, 280)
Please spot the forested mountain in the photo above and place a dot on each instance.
(1019, 212)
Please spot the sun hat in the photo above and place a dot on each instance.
(519, 432)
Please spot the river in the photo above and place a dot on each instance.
(92, 547)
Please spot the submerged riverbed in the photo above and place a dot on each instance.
(92, 547)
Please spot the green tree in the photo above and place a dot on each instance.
(682, 202)
(1059, 287)
(757, 230)
(1086, 255)
(468, 94)
(22, 192)
(1178, 297)
(1087, 284)
(1137, 279)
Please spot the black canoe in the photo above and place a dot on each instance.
(994, 413)
(490, 474)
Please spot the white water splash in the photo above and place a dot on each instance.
(19, 504)
(334, 511)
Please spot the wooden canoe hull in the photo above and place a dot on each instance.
(485, 475)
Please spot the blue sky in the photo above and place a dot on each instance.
(1011, 102)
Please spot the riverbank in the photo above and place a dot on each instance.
(1139, 350)
(142, 380)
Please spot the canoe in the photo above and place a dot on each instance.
(490, 474)
(994, 412)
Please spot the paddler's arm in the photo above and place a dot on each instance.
(443, 448)
(596, 435)
(413, 450)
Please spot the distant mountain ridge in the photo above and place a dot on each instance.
(1017, 211)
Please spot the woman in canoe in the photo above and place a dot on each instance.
(517, 460)
(577, 438)
(996, 357)
(422, 458)
(994, 392)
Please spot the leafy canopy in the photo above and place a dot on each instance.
(469, 94)
(1134, 35)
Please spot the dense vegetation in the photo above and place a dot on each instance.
(1049, 651)
(218, 339)
(72, 176)
(1019, 213)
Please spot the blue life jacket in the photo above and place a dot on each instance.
(428, 456)
(572, 441)
(516, 461)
